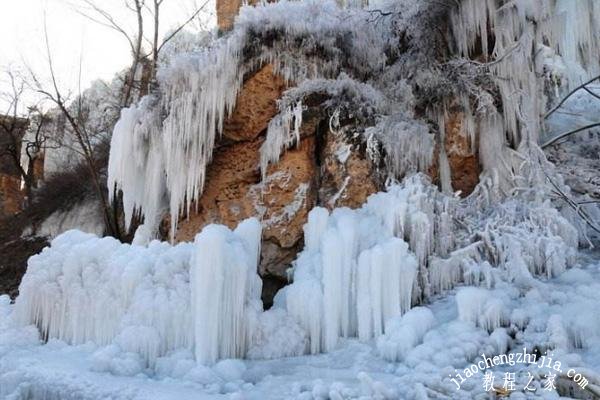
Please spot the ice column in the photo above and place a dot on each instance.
(225, 289)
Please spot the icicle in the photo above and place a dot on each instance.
(282, 133)
(223, 267)
(444, 165)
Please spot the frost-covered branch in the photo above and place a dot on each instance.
(568, 133)
(571, 93)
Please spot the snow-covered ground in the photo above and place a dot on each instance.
(560, 313)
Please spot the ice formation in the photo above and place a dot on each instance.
(161, 147)
(225, 290)
(480, 307)
(361, 270)
(403, 333)
(356, 271)
(526, 47)
(148, 300)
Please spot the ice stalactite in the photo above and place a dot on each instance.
(225, 288)
(444, 165)
(136, 163)
(151, 158)
(360, 268)
(150, 300)
(420, 215)
(282, 133)
(382, 270)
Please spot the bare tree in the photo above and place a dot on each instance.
(142, 12)
(78, 128)
(15, 143)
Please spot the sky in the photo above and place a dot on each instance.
(74, 38)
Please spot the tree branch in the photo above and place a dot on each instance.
(565, 134)
(571, 93)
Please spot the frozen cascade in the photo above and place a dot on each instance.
(225, 290)
(360, 271)
(357, 272)
(149, 300)
(161, 147)
(519, 29)
(151, 158)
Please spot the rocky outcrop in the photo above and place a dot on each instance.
(256, 105)
(346, 175)
(11, 195)
(227, 10)
(463, 160)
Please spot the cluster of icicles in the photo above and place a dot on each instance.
(359, 272)
(359, 268)
(156, 161)
(528, 39)
(355, 274)
(148, 300)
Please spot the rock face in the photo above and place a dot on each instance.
(346, 176)
(227, 11)
(11, 196)
(463, 160)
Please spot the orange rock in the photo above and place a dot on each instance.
(347, 178)
(256, 105)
